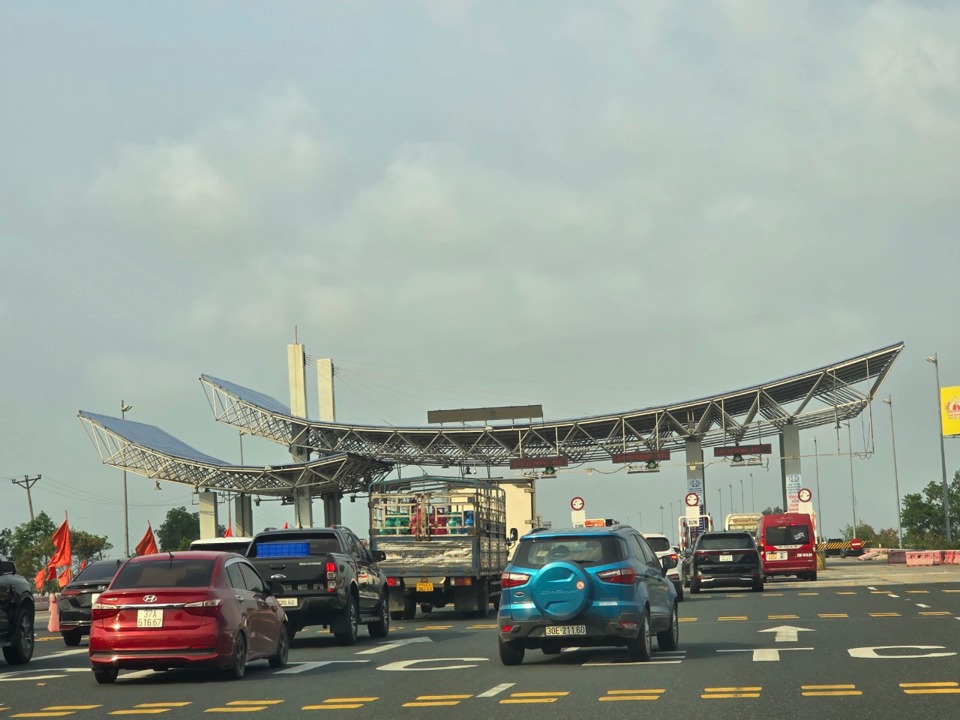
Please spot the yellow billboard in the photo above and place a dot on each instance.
(950, 410)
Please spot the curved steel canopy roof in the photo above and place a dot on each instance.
(149, 451)
(824, 396)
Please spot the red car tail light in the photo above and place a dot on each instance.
(70, 592)
(620, 576)
(208, 608)
(102, 611)
(510, 579)
(393, 582)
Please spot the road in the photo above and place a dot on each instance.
(864, 638)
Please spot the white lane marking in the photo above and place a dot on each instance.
(30, 677)
(303, 667)
(892, 595)
(922, 605)
(766, 654)
(63, 653)
(496, 690)
(786, 633)
(393, 644)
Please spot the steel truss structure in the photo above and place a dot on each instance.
(825, 396)
(146, 450)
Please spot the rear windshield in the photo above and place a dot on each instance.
(539, 551)
(301, 547)
(659, 544)
(788, 535)
(166, 573)
(98, 572)
(725, 542)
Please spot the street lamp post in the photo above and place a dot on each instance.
(943, 458)
(730, 485)
(896, 481)
(816, 456)
(720, 505)
(753, 504)
(853, 489)
(124, 409)
(742, 509)
(661, 519)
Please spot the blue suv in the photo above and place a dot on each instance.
(586, 587)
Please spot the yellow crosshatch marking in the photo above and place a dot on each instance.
(828, 690)
(832, 615)
(621, 695)
(725, 618)
(884, 614)
(931, 688)
(727, 693)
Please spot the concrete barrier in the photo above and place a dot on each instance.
(924, 557)
(896, 557)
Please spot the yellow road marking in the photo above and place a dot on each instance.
(928, 685)
(482, 627)
(540, 694)
(769, 594)
(828, 687)
(632, 692)
(353, 699)
(436, 627)
(732, 689)
(251, 708)
(846, 592)
(832, 615)
(829, 690)
(935, 612)
(72, 707)
(254, 702)
(627, 695)
(444, 697)
(879, 592)
(783, 617)
(953, 591)
(808, 593)
(333, 706)
(163, 704)
(141, 711)
(885, 614)
(729, 693)
(687, 619)
(44, 714)
(445, 703)
(726, 618)
(519, 701)
(919, 592)
(933, 691)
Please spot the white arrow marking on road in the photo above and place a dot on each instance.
(766, 654)
(303, 667)
(786, 633)
(393, 644)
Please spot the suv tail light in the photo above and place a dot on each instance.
(102, 611)
(620, 576)
(512, 579)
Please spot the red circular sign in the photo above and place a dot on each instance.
(692, 499)
(856, 544)
(804, 495)
(577, 503)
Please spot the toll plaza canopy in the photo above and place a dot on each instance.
(824, 396)
(149, 451)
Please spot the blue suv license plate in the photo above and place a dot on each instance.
(566, 630)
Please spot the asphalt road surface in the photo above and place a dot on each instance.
(865, 640)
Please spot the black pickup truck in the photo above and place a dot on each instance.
(329, 578)
(16, 615)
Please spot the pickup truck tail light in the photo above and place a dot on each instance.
(331, 568)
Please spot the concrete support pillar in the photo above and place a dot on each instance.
(327, 406)
(331, 508)
(302, 508)
(695, 473)
(791, 479)
(208, 515)
(243, 515)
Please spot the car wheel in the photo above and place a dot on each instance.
(679, 588)
(641, 648)
(105, 676)
(758, 585)
(283, 649)
(694, 587)
(238, 660)
(380, 628)
(348, 630)
(511, 652)
(483, 601)
(812, 576)
(20, 649)
(71, 638)
(669, 638)
(409, 607)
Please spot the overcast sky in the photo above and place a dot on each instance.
(592, 206)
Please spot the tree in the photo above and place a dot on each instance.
(86, 547)
(179, 529)
(32, 544)
(6, 542)
(773, 511)
(922, 518)
(864, 532)
(888, 538)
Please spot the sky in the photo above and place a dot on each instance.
(595, 207)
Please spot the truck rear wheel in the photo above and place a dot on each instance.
(409, 607)
(483, 600)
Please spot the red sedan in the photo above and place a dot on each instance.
(187, 609)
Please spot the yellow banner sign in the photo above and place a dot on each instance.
(950, 410)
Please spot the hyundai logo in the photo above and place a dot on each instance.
(149, 598)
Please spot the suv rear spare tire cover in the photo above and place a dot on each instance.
(561, 590)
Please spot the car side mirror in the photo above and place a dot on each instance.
(513, 536)
(379, 556)
(668, 562)
(276, 588)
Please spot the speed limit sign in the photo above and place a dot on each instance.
(804, 495)
(692, 499)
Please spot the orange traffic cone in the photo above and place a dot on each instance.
(54, 624)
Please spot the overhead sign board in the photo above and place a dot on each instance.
(640, 456)
(534, 463)
(731, 450)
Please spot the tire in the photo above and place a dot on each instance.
(380, 628)
(670, 638)
(641, 648)
(483, 601)
(758, 586)
(21, 645)
(283, 649)
(679, 588)
(511, 652)
(812, 576)
(238, 659)
(409, 607)
(348, 625)
(105, 676)
(71, 638)
(694, 587)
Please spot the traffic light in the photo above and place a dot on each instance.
(549, 472)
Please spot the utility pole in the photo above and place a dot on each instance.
(27, 482)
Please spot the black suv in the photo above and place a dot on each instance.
(722, 559)
(16, 615)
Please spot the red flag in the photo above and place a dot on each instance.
(286, 527)
(148, 544)
(61, 547)
(40, 579)
(229, 532)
